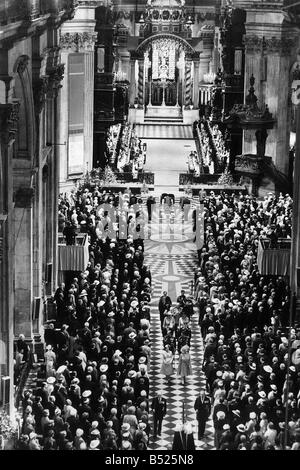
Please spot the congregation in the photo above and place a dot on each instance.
(93, 390)
(252, 378)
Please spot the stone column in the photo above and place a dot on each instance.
(8, 118)
(196, 84)
(276, 96)
(141, 83)
(188, 83)
(253, 58)
(80, 42)
(204, 66)
(23, 261)
(88, 109)
(295, 248)
(63, 111)
(132, 89)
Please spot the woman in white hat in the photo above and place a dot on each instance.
(184, 366)
(167, 366)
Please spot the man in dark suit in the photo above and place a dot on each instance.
(159, 409)
(163, 303)
(203, 407)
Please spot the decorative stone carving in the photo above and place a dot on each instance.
(23, 197)
(248, 164)
(40, 89)
(253, 43)
(22, 63)
(126, 15)
(78, 42)
(271, 45)
(279, 45)
(206, 16)
(56, 75)
(9, 115)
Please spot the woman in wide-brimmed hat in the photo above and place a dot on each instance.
(167, 367)
(184, 366)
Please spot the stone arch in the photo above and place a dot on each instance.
(186, 46)
(25, 136)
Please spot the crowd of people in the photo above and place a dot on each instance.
(176, 329)
(219, 143)
(132, 154)
(93, 388)
(253, 383)
(205, 148)
(214, 155)
(93, 391)
(193, 164)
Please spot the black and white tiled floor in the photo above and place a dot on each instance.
(172, 257)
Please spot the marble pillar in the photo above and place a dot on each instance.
(253, 59)
(268, 59)
(276, 96)
(141, 84)
(64, 120)
(196, 85)
(88, 109)
(204, 66)
(132, 90)
(295, 248)
(23, 227)
(188, 83)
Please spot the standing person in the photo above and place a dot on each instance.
(184, 366)
(159, 409)
(150, 203)
(203, 408)
(164, 303)
(167, 367)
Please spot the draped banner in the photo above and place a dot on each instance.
(273, 262)
(74, 257)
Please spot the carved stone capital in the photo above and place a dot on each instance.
(78, 42)
(40, 89)
(253, 44)
(271, 45)
(21, 64)
(23, 197)
(55, 76)
(279, 45)
(9, 115)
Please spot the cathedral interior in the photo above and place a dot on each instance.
(149, 229)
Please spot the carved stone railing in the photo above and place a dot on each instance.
(248, 164)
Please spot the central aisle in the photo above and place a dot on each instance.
(171, 253)
(167, 158)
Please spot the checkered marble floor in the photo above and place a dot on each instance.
(172, 260)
